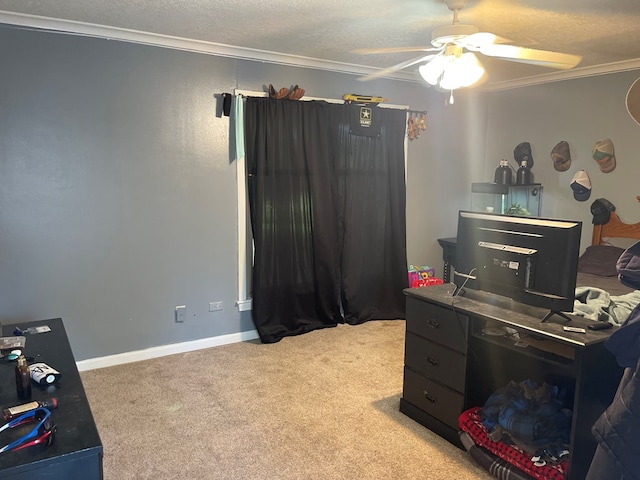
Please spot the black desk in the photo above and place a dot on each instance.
(451, 365)
(77, 450)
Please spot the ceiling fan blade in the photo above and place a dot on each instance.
(544, 58)
(476, 41)
(397, 67)
(369, 51)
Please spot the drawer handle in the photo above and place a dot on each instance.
(433, 323)
(433, 361)
(429, 397)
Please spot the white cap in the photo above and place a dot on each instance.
(581, 186)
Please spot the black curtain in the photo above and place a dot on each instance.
(327, 214)
(372, 199)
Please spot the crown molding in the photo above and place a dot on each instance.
(71, 27)
(604, 69)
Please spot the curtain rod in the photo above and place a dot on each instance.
(251, 93)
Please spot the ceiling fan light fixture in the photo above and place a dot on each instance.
(451, 72)
(432, 71)
(467, 70)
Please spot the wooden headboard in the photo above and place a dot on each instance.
(614, 228)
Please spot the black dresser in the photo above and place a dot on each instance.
(452, 364)
(77, 450)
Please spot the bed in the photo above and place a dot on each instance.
(599, 293)
(597, 265)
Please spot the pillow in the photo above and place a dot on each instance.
(600, 260)
(620, 242)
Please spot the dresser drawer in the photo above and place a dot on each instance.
(438, 324)
(438, 401)
(435, 361)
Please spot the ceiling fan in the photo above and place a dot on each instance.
(451, 62)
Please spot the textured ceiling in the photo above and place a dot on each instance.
(603, 32)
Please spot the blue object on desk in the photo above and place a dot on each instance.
(43, 430)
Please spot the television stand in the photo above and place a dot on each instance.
(454, 361)
(554, 312)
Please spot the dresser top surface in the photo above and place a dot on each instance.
(511, 313)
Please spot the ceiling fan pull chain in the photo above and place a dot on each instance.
(451, 98)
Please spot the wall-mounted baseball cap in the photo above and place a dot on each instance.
(581, 186)
(522, 153)
(561, 156)
(601, 209)
(603, 154)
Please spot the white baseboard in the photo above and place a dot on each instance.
(163, 350)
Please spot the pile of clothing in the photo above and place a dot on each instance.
(532, 417)
(502, 459)
(521, 432)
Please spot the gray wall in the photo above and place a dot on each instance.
(118, 195)
(581, 112)
(441, 167)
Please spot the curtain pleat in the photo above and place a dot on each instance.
(327, 214)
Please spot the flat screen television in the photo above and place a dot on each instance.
(532, 260)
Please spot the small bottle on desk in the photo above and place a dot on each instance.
(23, 379)
(13, 412)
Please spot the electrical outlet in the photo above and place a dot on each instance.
(215, 306)
(181, 313)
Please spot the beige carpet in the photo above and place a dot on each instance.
(323, 405)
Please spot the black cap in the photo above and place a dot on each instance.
(601, 210)
(522, 153)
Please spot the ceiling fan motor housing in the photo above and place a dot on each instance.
(441, 36)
